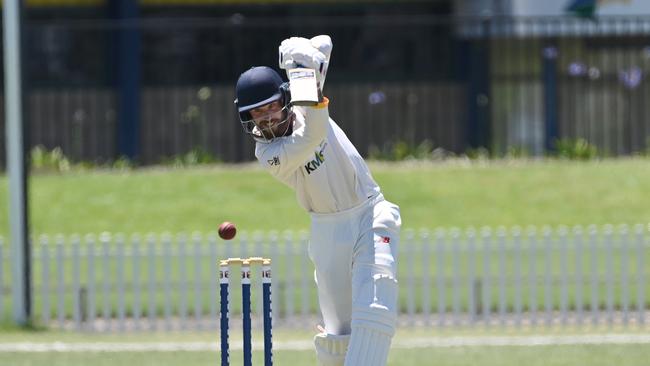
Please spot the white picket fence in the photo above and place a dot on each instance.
(503, 277)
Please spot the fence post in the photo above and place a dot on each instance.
(304, 266)
(289, 260)
(426, 277)
(92, 310)
(410, 278)
(45, 260)
(83, 304)
(105, 240)
(563, 248)
(624, 236)
(151, 298)
(531, 233)
(198, 269)
(121, 301)
(76, 285)
(516, 238)
(167, 248)
(440, 275)
(60, 276)
(609, 273)
(593, 237)
(486, 234)
(137, 284)
(640, 281)
(275, 295)
(474, 287)
(456, 275)
(212, 244)
(243, 245)
(548, 275)
(181, 244)
(501, 237)
(258, 250)
(477, 294)
(578, 236)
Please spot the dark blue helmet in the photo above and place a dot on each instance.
(256, 87)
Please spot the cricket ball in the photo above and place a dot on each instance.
(227, 230)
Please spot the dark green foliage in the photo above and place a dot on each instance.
(575, 149)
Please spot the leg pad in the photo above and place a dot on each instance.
(331, 349)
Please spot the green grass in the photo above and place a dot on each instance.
(10, 333)
(430, 195)
(592, 355)
(571, 355)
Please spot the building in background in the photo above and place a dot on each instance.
(578, 78)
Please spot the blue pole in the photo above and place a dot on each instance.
(223, 283)
(16, 139)
(549, 75)
(476, 57)
(128, 78)
(268, 334)
(246, 313)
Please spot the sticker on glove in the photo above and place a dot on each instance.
(303, 86)
(296, 74)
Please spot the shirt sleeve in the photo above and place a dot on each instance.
(283, 158)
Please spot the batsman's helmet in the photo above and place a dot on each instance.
(256, 87)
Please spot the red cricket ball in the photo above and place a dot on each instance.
(227, 230)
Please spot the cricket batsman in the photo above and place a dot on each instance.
(354, 229)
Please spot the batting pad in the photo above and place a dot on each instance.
(331, 349)
(367, 347)
(373, 326)
(376, 307)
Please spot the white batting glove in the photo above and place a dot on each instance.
(310, 53)
(287, 46)
(324, 44)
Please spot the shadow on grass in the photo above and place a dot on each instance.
(7, 326)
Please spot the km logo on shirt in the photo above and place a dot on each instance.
(319, 158)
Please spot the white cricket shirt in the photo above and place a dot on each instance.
(319, 163)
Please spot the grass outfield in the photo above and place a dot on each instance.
(455, 193)
(554, 355)
(592, 355)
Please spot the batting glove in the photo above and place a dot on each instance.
(324, 44)
(310, 53)
(287, 47)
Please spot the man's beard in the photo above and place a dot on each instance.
(289, 122)
(289, 125)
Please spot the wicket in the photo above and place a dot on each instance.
(224, 282)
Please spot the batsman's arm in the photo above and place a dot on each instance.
(282, 159)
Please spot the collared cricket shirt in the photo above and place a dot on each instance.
(319, 163)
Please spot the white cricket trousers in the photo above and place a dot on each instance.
(350, 251)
